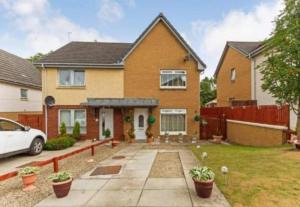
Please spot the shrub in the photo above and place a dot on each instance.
(151, 119)
(63, 129)
(60, 177)
(59, 143)
(28, 170)
(107, 133)
(76, 131)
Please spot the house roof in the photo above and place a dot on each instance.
(90, 53)
(121, 102)
(244, 48)
(18, 71)
(103, 54)
(161, 17)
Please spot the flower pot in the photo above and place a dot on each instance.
(149, 140)
(217, 139)
(297, 145)
(132, 141)
(62, 189)
(115, 143)
(28, 181)
(203, 188)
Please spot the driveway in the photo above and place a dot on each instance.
(140, 182)
(11, 163)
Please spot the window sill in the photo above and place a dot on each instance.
(24, 99)
(70, 87)
(172, 89)
(173, 133)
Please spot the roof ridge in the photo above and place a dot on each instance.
(101, 42)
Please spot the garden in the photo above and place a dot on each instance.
(255, 175)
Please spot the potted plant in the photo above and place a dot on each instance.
(149, 134)
(61, 183)
(217, 138)
(29, 177)
(197, 118)
(203, 178)
(107, 133)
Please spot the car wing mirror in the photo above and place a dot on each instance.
(27, 128)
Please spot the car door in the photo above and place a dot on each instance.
(12, 137)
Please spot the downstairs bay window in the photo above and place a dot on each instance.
(172, 121)
(70, 117)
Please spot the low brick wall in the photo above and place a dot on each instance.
(254, 134)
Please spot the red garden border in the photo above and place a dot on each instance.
(55, 159)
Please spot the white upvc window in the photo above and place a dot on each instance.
(232, 74)
(70, 77)
(173, 121)
(70, 117)
(24, 94)
(173, 79)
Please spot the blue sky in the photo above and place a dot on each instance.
(31, 26)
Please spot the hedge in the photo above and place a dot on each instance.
(59, 143)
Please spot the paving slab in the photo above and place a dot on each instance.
(74, 199)
(161, 198)
(165, 183)
(88, 184)
(115, 198)
(125, 184)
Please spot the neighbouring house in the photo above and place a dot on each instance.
(116, 85)
(239, 80)
(20, 87)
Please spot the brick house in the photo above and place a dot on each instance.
(102, 84)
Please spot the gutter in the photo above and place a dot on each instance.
(79, 65)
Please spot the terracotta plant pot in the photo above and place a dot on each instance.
(203, 188)
(217, 139)
(132, 141)
(62, 189)
(28, 181)
(297, 145)
(115, 143)
(149, 140)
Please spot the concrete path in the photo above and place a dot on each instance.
(133, 186)
(11, 163)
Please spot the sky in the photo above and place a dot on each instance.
(31, 26)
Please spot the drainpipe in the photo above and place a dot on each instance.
(46, 107)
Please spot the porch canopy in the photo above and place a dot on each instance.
(121, 102)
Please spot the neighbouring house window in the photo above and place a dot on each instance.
(71, 77)
(70, 116)
(232, 74)
(173, 121)
(172, 79)
(24, 94)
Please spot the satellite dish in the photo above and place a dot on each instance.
(49, 101)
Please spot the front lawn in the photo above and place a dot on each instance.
(257, 176)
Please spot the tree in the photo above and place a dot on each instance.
(207, 90)
(281, 70)
(36, 57)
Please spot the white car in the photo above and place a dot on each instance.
(16, 138)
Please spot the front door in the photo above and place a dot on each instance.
(106, 122)
(140, 122)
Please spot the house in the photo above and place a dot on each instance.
(118, 85)
(239, 80)
(20, 87)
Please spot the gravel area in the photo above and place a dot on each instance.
(11, 194)
(163, 146)
(167, 165)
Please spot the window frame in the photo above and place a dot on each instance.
(72, 77)
(232, 71)
(172, 71)
(72, 112)
(176, 112)
(21, 97)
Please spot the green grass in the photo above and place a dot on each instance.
(257, 176)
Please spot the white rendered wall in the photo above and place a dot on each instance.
(263, 97)
(10, 100)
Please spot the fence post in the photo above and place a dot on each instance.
(55, 164)
(93, 150)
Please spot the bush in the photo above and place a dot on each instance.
(63, 129)
(76, 131)
(107, 133)
(151, 119)
(59, 143)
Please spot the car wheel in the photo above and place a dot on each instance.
(36, 146)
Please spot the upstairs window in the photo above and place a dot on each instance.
(23, 94)
(71, 77)
(173, 79)
(232, 74)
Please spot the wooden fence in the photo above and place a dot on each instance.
(33, 120)
(265, 114)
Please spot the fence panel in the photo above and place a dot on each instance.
(33, 120)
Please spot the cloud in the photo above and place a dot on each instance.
(210, 37)
(43, 28)
(110, 11)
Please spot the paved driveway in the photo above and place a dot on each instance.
(133, 186)
(11, 163)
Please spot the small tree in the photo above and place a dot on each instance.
(76, 131)
(207, 90)
(62, 129)
(281, 70)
